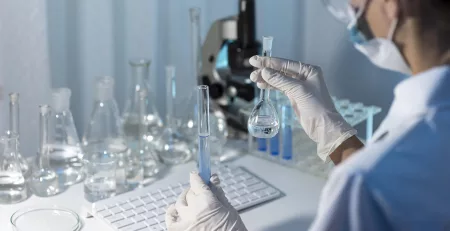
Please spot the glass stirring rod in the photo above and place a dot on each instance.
(204, 164)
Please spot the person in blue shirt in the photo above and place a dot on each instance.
(400, 180)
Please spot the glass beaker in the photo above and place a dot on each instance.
(171, 146)
(104, 135)
(15, 129)
(13, 187)
(140, 81)
(100, 182)
(44, 181)
(65, 151)
(263, 121)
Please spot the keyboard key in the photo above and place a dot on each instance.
(129, 213)
(160, 204)
(126, 207)
(251, 182)
(235, 203)
(115, 210)
(135, 227)
(147, 200)
(171, 200)
(149, 215)
(105, 213)
(137, 203)
(151, 222)
(122, 223)
(138, 218)
(157, 196)
(139, 210)
(242, 200)
(252, 197)
(115, 218)
(159, 211)
(256, 187)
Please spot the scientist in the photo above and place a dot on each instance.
(401, 179)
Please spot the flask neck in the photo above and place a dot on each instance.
(14, 113)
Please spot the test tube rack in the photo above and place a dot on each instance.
(305, 150)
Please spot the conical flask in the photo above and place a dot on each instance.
(44, 180)
(171, 146)
(104, 135)
(140, 81)
(13, 187)
(65, 155)
(263, 121)
(14, 128)
(149, 158)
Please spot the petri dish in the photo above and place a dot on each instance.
(49, 219)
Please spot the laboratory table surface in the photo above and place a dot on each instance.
(295, 210)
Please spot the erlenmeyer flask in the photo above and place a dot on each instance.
(44, 181)
(171, 146)
(13, 187)
(140, 81)
(150, 160)
(65, 151)
(14, 128)
(263, 121)
(104, 135)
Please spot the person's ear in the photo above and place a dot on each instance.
(392, 9)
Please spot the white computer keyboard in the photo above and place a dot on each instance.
(141, 210)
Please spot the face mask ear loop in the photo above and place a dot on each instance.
(392, 30)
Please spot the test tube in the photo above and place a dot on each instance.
(275, 141)
(286, 127)
(204, 164)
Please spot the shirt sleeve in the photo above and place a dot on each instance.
(347, 204)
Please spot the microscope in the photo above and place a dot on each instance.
(228, 46)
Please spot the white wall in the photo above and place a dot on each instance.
(91, 38)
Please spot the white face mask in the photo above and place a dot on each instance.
(381, 51)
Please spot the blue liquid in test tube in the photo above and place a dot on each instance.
(275, 145)
(286, 128)
(204, 163)
(262, 144)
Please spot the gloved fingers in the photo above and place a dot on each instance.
(285, 84)
(286, 67)
(218, 191)
(279, 64)
(171, 215)
(181, 200)
(256, 77)
(197, 184)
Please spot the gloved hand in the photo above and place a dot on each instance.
(201, 208)
(303, 84)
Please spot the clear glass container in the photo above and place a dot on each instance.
(104, 135)
(140, 81)
(171, 146)
(48, 219)
(65, 149)
(263, 121)
(100, 182)
(146, 148)
(14, 127)
(44, 180)
(13, 187)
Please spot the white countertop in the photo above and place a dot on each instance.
(294, 211)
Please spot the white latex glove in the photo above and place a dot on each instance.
(303, 84)
(201, 208)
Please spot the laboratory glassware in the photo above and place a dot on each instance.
(151, 163)
(15, 129)
(196, 53)
(48, 219)
(171, 146)
(13, 187)
(286, 128)
(104, 135)
(100, 182)
(65, 150)
(263, 121)
(131, 120)
(44, 181)
(204, 164)
(274, 142)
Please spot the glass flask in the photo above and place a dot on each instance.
(140, 81)
(44, 180)
(100, 182)
(171, 146)
(263, 121)
(104, 135)
(13, 187)
(65, 151)
(14, 128)
(146, 149)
